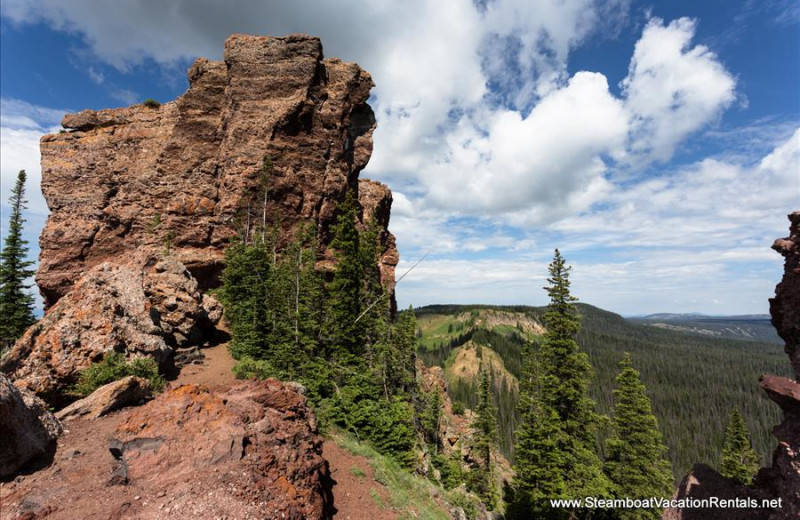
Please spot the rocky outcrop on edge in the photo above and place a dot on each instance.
(255, 447)
(27, 429)
(781, 480)
(785, 306)
(146, 306)
(184, 175)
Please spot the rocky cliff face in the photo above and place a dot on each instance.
(189, 175)
(781, 480)
(27, 428)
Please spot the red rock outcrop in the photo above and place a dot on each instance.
(27, 429)
(146, 306)
(785, 306)
(249, 452)
(274, 135)
(376, 203)
(191, 173)
(781, 480)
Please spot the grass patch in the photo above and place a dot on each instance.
(506, 329)
(439, 329)
(113, 368)
(376, 498)
(358, 472)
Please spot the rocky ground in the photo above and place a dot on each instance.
(83, 479)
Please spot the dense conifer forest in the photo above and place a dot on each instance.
(693, 380)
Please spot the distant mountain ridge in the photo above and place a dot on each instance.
(661, 316)
(748, 327)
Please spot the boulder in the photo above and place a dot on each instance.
(703, 483)
(251, 451)
(27, 429)
(146, 306)
(113, 396)
(253, 447)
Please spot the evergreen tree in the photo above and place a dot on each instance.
(636, 455)
(399, 371)
(244, 293)
(556, 446)
(16, 304)
(537, 456)
(344, 334)
(485, 440)
(739, 461)
(335, 338)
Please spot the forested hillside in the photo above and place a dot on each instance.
(693, 380)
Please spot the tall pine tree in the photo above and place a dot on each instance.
(636, 459)
(739, 461)
(16, 304)
(485, 441)
(556, 445)
(345, 336)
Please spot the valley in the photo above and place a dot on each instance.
(693, 379)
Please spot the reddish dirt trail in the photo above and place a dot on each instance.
(215, 372)
(351, 493)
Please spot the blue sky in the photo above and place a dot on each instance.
(657, 144)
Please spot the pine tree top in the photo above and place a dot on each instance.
(16, 303)
(739, 461)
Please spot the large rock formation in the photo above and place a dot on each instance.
(781, 480)
(144, 200)
(255, 445)
(785, 306)
(249, 452)
(27, 429)
(191, 173)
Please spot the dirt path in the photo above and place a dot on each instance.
(215, 372)
(355, 492)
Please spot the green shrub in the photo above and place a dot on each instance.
(458, 408)
(151, 103)
(452, 474)
(247, 368)
(466, 501)
(114, 367)
(388, 426)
